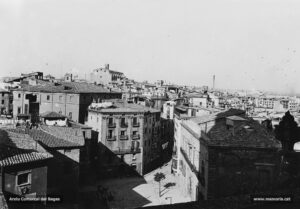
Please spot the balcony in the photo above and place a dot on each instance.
(123, 137)
(135, 136)
(136, 124)
(111, 125)
(124, 125)
(126, 151)
(111, 138)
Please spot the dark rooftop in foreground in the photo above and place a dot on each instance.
(17, 147)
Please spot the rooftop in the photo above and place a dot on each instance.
(122, 107)
(215, 116)
(65, 87)
(51, 114)
(17, 147)
(246, 133)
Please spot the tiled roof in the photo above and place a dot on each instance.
(51, 114)
(12, 156)
(50, 140)
(247, 133)
(16, 147)
(73, 135)
(65, 87)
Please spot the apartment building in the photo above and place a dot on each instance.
(68, 98)
(5, 102)
(128, 135)
(226, 154)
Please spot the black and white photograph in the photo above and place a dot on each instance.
(155, 104)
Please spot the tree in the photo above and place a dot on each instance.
(287, 132)
(158, 177)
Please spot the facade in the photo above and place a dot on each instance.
(65, 146)
(105, 76)
(226, 154)
(168, 110)
(23, 165)
(128, 135)
(200, 100)
(5, 102)
(68, 98)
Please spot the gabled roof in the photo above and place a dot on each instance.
(58, 137)
(16, 147)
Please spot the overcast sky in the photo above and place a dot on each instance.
(250, 44)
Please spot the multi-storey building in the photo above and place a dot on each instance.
(68, 98)
(129, 131)
(5, 102)
(200, 100)
(105, 76)
(168, 110)
(265, 102)
(226, 154)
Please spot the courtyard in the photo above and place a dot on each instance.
(132, 192)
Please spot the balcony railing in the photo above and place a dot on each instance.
(111, 125)
(124, 125)
(135, 136)
(111, 138)
(136, 124)
(127, 151)
(123, 137)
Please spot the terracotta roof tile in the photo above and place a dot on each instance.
(16, 147)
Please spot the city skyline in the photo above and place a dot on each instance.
(247, 45)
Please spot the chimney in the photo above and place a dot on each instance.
(107, 66)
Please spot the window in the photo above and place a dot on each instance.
(23, 178)
(71, 98)
(123, 120)
(97, 119)
(134, 133)
(19, 95)
(110, 120)
(26, 108)
(48, 97)
(3, 94)
(110, 133)
(19, 110)
(135, 120)
(2, 102)
(122, 133)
